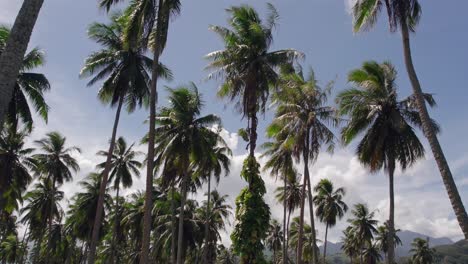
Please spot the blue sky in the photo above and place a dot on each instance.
(319, 28)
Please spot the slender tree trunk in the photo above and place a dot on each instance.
(25, 244)
(431, 136)
(325, 245)
(312, 219)
(103, 186)
(173, 226)
(180, 237)
(287, 239)
(301, 214)
(114, 253)
(391, 218)
(207, 226)
(274, 255)
(51, 212)
(12, 56)
(253, 131)
(151, 137)
(285, 250)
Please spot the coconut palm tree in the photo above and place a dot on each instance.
(274, 238)
(43, 207)
(246, 65)
(302, 114)
(280, 163)
(124, 167)
(381, 238)
(29, 85)
(371, 254)
(386, 122)
(11, 249)
(16, 162)
(349, 244)
(11, 59)
(133, 224)
(329, 206)
(422, 253)
(124, 72)
(405, 15)
(309, 244)
(184, 133)
(363, 227)
(292, 195)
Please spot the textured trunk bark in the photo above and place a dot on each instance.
(173, 226)
(102, 187)
(431, 136)
(180, 237)
(50, 220)
(287, 239)
(312, 218)
(253, 133)
(285, 250)
(114, 258)
(301, 214)
(391, 218)
(15, 48)
(325, 245)
(206, 252)
(151, 135)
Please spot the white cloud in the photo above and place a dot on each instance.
(9, 10)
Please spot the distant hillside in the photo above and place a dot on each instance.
(406, 237)
(453, 254)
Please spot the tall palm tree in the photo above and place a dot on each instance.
(184, 133)
(309, 246)
(386, 122)
(350, 244)
(329, 206)
(302, 114)
(29, 85)
(246, 65)
(12, 56)
(405, 15)
(274, 238)
(381, 238)
(133, 223)
(42, 209)
(11, 249)
(214, 164)
(422, 253)
(371, 254)
(363, 227)
(124, 72)
(15, 164)
(292, 195)
(124, 167)
(280, 163)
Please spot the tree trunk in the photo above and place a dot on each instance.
(287, 239)
(285, 250)
(51, 212)
(114, 258)
(325, 245)
(253, 130)
(173, 226)
(12, 56)
(301, 214)
(103, 186)
(312, 219)
(207, 226)
(25, 244)
(431, 136)
(180, 237)
(151, 137)
(391, 218)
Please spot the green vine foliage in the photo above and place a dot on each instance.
(252, 216)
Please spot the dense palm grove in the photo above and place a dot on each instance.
(162, 224)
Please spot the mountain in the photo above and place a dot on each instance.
(453, 254)
(406, 237)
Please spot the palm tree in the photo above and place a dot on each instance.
(371, 254)
(350, 244)
(405, 15)
(42, 208)
(309, 246)
(15, 164)
(214, 164)
(246, 64)
(385, 121)
(363, 226)
(422, 253)
(225, 256)
(280, 163)
(30, 84)
(329, 206)
(302, 114)
(216, 219)
(12, 56)
(382, 238)
(133, 223)
(124, 71)
(124, 167)
(184, 133)
(274, 238)
(292, 195)
(11, 249)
